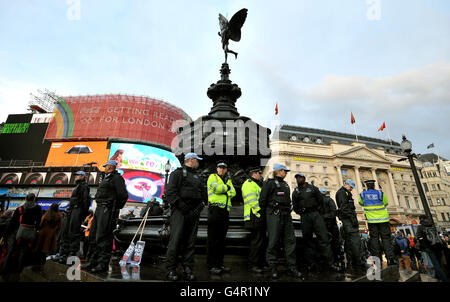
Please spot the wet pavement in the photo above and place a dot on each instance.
(152, 268)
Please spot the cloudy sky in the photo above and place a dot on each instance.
(385, 61)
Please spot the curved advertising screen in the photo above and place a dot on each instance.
(143, 168)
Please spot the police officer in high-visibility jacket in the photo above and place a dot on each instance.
(220, 193)
(375, 204)
(253, 219)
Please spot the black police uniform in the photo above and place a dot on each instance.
(186, 194)
(347, 214)
(111, 196)
(76, 213)
(329, 213)
(275, 202)
(308, 201)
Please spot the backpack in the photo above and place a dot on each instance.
(432, 236)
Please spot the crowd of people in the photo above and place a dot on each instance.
(30, 237)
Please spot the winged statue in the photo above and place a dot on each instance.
(231, 30)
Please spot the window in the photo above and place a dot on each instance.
(434, 174)
(417, 202)
(326, 183)
(407, 202)
(426, 187)
(443, 216)
(324, 169)
(443, 202)
(344, 172)
(448, 216)
(297, 167)
(430, 202)
(433, 187)
(438, 202)
(439, 187)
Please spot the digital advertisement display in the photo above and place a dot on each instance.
(115, 116)
(143, 168)
(142, 157)
(143, 185)
(77, 153)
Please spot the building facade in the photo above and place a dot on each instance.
(435, 178)
(329, 158)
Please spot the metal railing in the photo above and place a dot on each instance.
(20, 163)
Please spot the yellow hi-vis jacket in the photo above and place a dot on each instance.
(375, 206)
(218, 193)
(250, 194)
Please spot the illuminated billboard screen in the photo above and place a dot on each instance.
(77, 153)
(143, 168)
(141, 157)
(115, 116)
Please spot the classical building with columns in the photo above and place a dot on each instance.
(329, 158)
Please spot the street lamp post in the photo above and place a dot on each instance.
(406, 146)
(167, 168)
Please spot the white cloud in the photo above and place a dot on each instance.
(14, 97)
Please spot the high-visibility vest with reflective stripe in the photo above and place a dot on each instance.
(218, 192)
(375, 206)
(250, 195)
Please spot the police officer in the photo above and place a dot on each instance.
(220, 193)
(347, 214)
(253, 219)
(76, 213)
(111, 196)
(275, 201)
(308, 201)
(375, 204)
(329, 216)
(186, 195)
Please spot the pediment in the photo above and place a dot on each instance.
(363, 153)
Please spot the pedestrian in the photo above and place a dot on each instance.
(347, 214)
(111, 196)
(186, 195)
(154, 208)
(329, 213)
(5, 219)
(403, 253)
(87, 224)
(413, 252)
(76, 213)
(26, 220)
(275, 201)
(375, 205)
(129, 215)
(431, 245)
(254, 219)
(220, 192)
(309, 202)
(47, 235)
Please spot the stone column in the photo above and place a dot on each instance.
(341, 181)
(374, 176)
(394, 192)
(358, 180)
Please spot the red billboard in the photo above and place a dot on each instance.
(114, 116)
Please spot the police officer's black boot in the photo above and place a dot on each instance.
(172, 276)
(188, 274)
(274, 273)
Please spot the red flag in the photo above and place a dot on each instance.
(382, 127)
(352, 119)
(276, 109)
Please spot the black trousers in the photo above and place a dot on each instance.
(280, 230)
(74, 231)
(352, 241)
(183, 233)
(312, 222)
(383, 231)
(218, 220)
(335, 240)
(256, 226)
(64, 242)
(101, 237)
